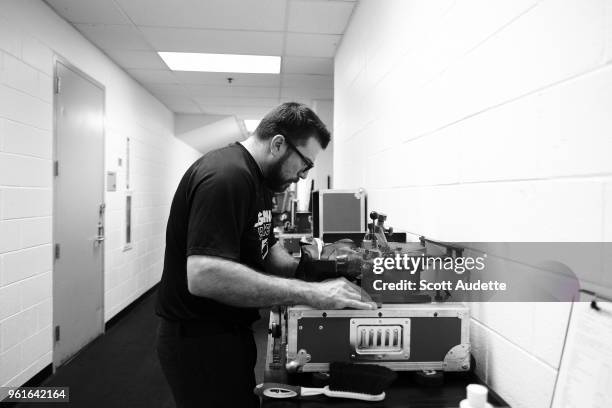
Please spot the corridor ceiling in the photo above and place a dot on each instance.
(305, 33)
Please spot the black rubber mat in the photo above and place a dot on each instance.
(120, 368)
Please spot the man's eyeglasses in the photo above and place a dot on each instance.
(309, 164)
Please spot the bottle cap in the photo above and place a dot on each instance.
(477, 395)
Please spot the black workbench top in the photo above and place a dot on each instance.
(404, 393)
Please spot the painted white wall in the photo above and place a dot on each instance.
(484, 121)
(30, 34)
(209, 132)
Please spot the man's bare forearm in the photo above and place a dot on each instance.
(280, 262)
(238, 285)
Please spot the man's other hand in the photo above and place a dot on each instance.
(339, 294)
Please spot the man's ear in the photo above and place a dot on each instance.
(276, 144)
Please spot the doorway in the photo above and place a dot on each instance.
(78, 211)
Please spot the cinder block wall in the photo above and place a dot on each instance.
(30, 33)
(485, 121)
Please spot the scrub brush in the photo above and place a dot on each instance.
(346, 380)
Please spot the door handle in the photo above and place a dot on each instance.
(100, 237)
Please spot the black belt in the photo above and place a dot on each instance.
(201, 328)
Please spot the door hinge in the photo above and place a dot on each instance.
(57, 333)
(58, 83)
(57, 251)
(56, 168)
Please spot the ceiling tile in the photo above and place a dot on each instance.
(265, 15)
(214, 41)
(188, 108)
(231, 90)
(324, 17)
(312, 45)
(169, 89)
(254, 27)
(308, 81)
(305, 101)
(153, 76)
(185, 109)
(89, 11)
(308, 93)
(244, 112)
(181, 104)
(117, 37)
(220, 78)
(137, 59)
(235, 101)
(308, 65)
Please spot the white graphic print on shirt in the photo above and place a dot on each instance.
(263, 225)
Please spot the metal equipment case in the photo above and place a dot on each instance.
(403, 337)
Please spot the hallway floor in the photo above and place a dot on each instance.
(120, 368)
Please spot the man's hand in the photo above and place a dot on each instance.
(339, 294)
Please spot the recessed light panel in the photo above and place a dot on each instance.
(250, 64)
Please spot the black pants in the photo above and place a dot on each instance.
(208, 364)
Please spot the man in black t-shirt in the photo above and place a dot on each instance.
(222, 261)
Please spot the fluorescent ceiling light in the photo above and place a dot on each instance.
(251, 124)
(192, 61)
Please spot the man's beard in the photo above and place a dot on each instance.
(274, 179)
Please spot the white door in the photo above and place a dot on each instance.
(78, 215)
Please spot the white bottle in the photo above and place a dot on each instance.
(476, 397)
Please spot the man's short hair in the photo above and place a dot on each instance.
(295, 121)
